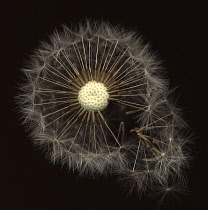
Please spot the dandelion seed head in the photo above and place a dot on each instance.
(95, 100)
(93, 96)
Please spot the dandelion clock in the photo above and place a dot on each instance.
(95, 99)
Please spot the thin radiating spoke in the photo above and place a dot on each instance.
(76, 49)
(69, 124)
(63, 66)
(103, 133)
(94, 136)
(75, 137)
(85, 132)
(52, 102)
(158, 126)
(51, 81)
(58, 118)
(70, 64)
(128, 72)
(116, 62)
(96, 56)
(128, 102)
(106, 57)
(136, 156)
(56, 105)
(83, 46)
(127, 95)
(57, 98)
(158, 119)
(156, 140)
(122, 89)
(56, 111)
(102, 55)
(124, 83)
(59, 73)
(102, 117)
(89, 57)
(119, 101)
(121, 66)
(52, 90)
(86, 126)
(111, 55)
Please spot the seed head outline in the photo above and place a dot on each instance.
(95, 100)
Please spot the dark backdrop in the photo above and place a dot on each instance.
(176, 30)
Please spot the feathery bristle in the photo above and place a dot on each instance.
(95, 99)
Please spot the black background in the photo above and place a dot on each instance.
(175, 29)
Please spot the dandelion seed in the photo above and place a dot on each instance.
(95, 100)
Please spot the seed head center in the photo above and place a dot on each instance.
(93, 96)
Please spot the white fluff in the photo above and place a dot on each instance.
(95, 99)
